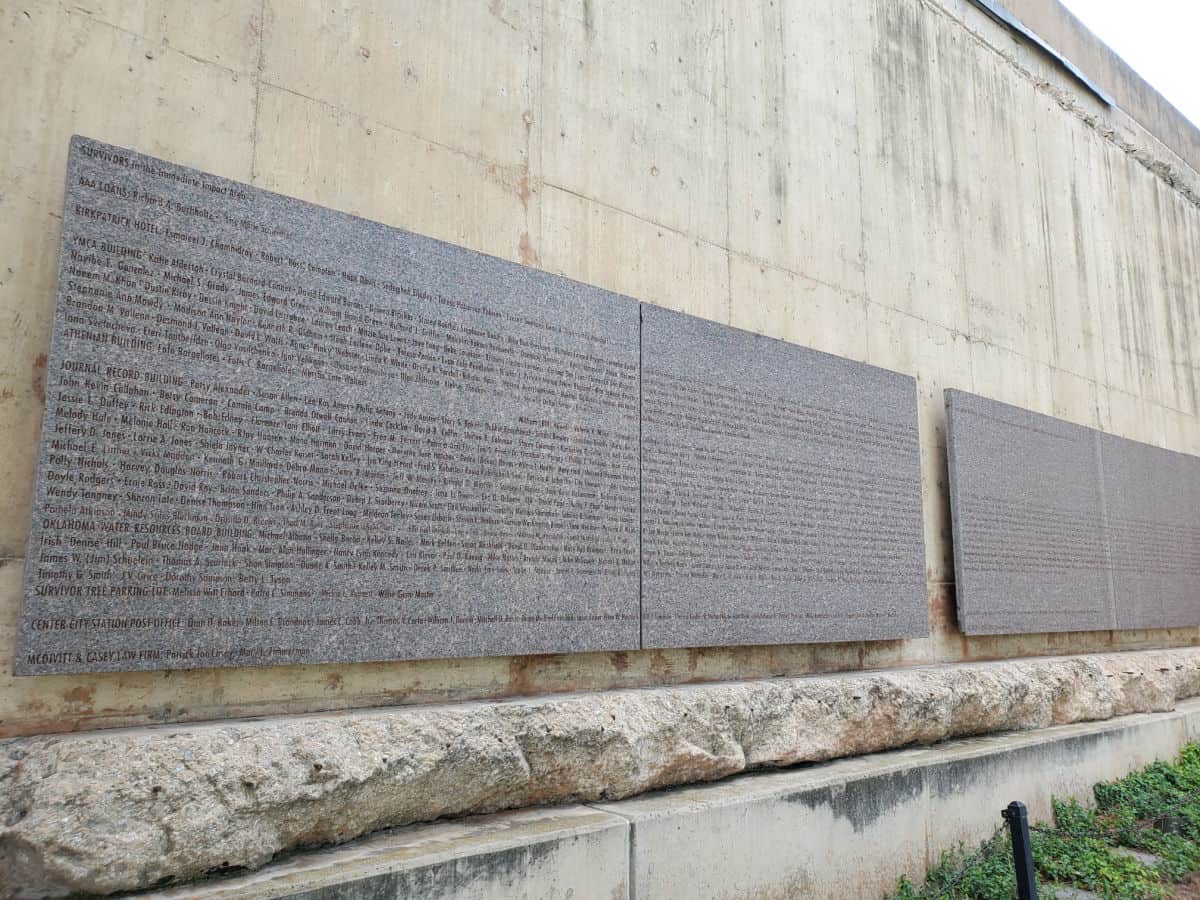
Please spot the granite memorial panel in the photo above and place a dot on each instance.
(1152, 521)
(781, 492)
(275, 433)
(1059, 527)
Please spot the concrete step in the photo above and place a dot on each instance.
(567, 852)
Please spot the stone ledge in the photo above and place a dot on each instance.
(564, 852)
(134, 808)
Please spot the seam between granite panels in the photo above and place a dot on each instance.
(641, 488)
(1105, 530)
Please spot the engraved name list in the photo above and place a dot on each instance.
(278, 433)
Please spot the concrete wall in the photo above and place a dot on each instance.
(1055, 24)
(896, 181)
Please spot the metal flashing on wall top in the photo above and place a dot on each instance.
(1006, 18)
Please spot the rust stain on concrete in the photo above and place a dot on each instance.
(528, 255)
(521, 679)
(660, 665)
(80, 699)
(39, 377)
(514, 180)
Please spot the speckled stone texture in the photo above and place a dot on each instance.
(176, 802)
(1058, 527)
(276, 433)
(781, 492)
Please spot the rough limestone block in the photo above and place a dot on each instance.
(177, 802)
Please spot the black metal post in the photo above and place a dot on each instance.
(1017, 818)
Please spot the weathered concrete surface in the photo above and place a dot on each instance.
(1062, 30)
(180, 802)
(564, 853)
(953, 208)
(851, 828)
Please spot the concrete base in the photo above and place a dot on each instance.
(851, 828)
(566, 853)
(844, 829)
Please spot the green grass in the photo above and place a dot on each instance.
(1156, 810)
